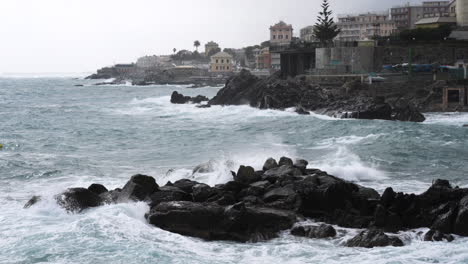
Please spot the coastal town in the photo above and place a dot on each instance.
(420, 43)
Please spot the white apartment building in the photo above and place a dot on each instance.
(365, 26)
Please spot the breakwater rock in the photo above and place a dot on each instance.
(352, 100)
(257, 205)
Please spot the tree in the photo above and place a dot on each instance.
(213, 52)
(174, 50)
(325, 29)
(196, 44)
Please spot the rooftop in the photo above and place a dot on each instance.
(435, 20)
(222, 54)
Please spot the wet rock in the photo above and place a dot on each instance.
(279, 193)
(302, 111)
(97, 188)
(177, 98)
(284, 161)
(78, 199)
(301, 164)
(204, 168)
(168, 194)
(435, 235)
(35, 199)
(202, 192)
(203, 106)
(374, 238)
(214, 222)
(270, 164)
(138, 188)
(275, 174)
(311, 231)
(461, 222)
(246, 175)
(185, 185)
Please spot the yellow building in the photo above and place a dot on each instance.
(222, 62)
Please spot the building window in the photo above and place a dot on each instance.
(217, 61)
(287, 36)
(227, 68)
(227, 61)
(274, 36)
(222, 61)
(217, 68)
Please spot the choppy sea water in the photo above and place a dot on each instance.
(56, 135)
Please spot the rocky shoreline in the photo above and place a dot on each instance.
(256, 205)
(352, 100)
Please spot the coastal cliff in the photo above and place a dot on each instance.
(351, 100)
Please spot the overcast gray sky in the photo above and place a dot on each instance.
(39, 36)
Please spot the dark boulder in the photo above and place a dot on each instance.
(273, 175)
(138, 188)
(97, 188)
(374, 238)
(78, 199)
(214, 222)
(168, 194)
(461, 222)
(279, 194)
(284, 161)
(301, 111)
(177, 98)
(301, 164)
(202, 192)
(435, 236)
(185, 185)
(310, 231)
(246, 175)
(270, 164)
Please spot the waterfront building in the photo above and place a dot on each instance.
(365, 26)
(153, 61)
(281, 35)
(462, 13)
(435, 22)
(210, 46)
(222, 62)
(405, 17)
(436, 9)
(307, 34)
(263, 59)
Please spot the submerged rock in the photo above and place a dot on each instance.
(177, 98)
(78, 199)
(374, 238)
(138, 188)
(35, 199)
(435, 235)
(310, 231)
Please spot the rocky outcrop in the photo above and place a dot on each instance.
(177, 98)
(353, 100)
(374, 238)
(256, 205)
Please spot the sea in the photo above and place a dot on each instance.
(57, 135)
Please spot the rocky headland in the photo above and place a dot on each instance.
(350, 100)
(256, 205)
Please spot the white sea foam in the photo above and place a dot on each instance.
(453, 119)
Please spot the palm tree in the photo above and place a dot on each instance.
(197, 44)
(174, 50)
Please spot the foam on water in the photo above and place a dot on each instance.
(57, 136)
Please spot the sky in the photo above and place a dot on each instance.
(74, 36)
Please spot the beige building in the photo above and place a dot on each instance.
(462, 13)
(365, 26)
(222, 62)
(210, 46)
(281, 33)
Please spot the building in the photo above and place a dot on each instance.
(154, 61)
(435, 22)
(436, 9)
(281, 36)
(210, 46)
(462, 13)
(263, 59)
(365, 26)
(308, 35)
(405, 17)
(222, 62)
